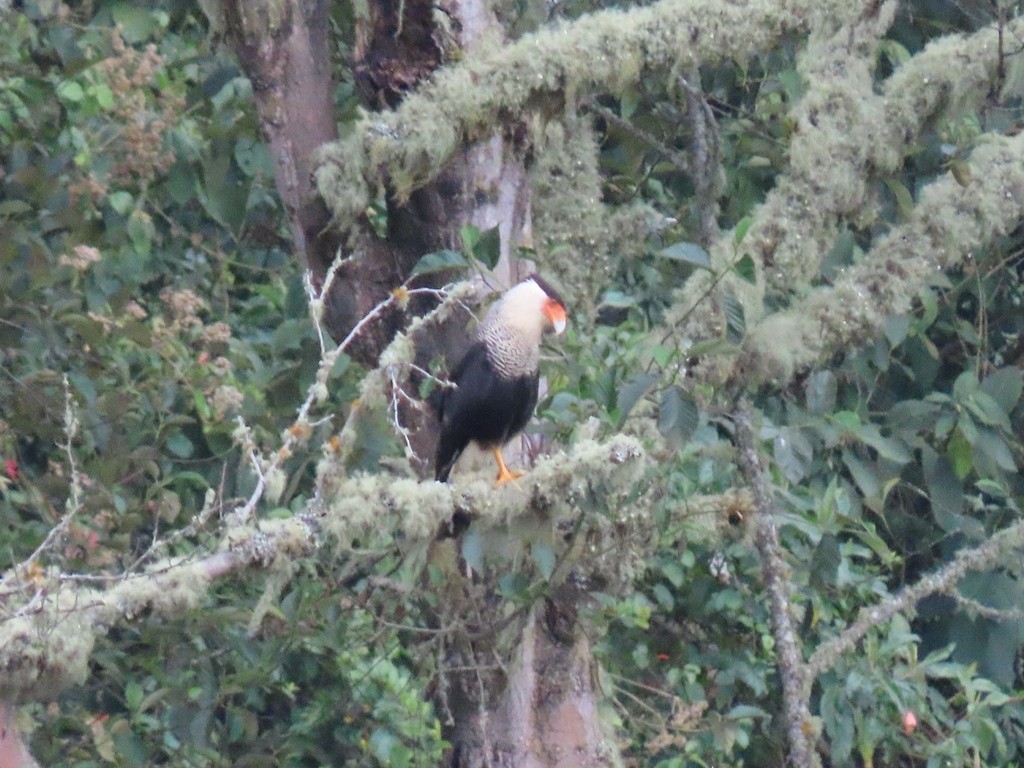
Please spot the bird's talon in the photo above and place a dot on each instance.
(504, 478)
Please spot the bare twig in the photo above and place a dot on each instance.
(674, 156)
(74, 502)
(266, 467)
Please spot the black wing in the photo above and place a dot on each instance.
(484, 407)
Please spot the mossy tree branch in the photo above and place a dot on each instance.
(49, 627)
(544, 72)
(847, 137)
(943, 581)
(950, 222)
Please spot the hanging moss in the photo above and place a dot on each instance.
(580, 239)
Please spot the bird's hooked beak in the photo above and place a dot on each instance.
(554, 311)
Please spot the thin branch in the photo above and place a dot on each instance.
(942, 581)
(792, 670)
(706, 156)
(74, 503)
(985, 611)
(674, 156)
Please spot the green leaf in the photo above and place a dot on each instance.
(985, 408)
(439, 261)
(904, 200)
(488, 247)
(290, 334)
(746, 269)
(864, 474)
(678, 417)
(202, 406)
(470, 236)
(140, 231)
(544, 557)
(747, 711)
(888, 448)
(993, 488)
(253, 157)
(137, 24)
(382, 742)
(848, 420)
(103, 95)
(825, 562)
(617, 300)
(473, 550)
(960, 454)
(896, 328)
(672, 571)
(664, 597)
(688, 253)
(946, 493)
(792, 83)
(868, 535)
(663, 355)
(133, 694)
(840, 255)
(894, 51)
(513, 586)
(966, 384)
(225, 192)
(179, 445)
(930, 307)
(71, 91)
(821, 392)
(993, 446)
(735, 319)
(1005, 387)
(631, 392)
(628, 102)
(793, 454)
(742, 227)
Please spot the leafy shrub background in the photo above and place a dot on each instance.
(145, 263)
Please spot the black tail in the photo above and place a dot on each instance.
(448, 452)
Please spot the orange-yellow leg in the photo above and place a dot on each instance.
(504, 474)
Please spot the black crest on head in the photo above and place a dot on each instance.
(547, 288)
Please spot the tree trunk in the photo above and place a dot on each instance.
(543, 713)
(13, 752)
(284, 49)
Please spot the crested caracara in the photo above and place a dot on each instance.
(496, 382)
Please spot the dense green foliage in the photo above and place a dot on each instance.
(145, 261)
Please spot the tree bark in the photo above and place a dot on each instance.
(284, 49)
(544, 713)
(13, 752)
